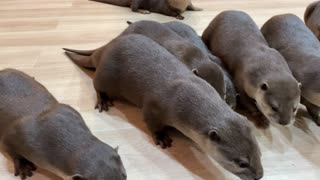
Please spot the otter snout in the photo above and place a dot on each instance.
(287, 120)
(259, 174)
(284, 123)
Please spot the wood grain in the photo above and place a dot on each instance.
(32, 34)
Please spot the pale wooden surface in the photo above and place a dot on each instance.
(32, 33)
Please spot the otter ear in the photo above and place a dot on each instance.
(195, 71)
(299, 85)
(116, 149)
(78, 177)
(264, 86)
(214, 136)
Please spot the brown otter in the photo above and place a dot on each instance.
(167, 7)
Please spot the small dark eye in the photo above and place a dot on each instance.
(274, 109)
(243, 165)
(294, 109)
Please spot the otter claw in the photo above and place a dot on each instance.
(162, 139)
(103, 102)
(23, 168)
(142, 11)
(180, 17)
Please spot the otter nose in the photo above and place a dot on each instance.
(124, 176)
(258, 177)
(284, 122)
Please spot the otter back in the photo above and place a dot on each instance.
(188, 53)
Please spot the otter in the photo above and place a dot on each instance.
(312, 18)
(137, 69)
(37, 131)
(190, 34)
(261, 74)
(185, 51)
(301, 49)
(166, 7)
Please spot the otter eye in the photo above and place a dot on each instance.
(274, 109)
(294, 109)
(244, 165)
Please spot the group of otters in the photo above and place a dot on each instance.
(169, 71)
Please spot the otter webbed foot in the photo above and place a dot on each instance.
(162, 139)
(103, 102)
(23, 168)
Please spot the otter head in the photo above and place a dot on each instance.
(278, 99)
(105, 164)
(234, 146)
(214, 75)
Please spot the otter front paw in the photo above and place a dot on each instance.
(23, 168)
(261, 121)
(316, 118)
(162, 139)
(142, 11)
(103, 102)
(180, 17)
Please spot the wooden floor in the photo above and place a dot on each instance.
(32, 34)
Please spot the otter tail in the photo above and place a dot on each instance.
(310, 10)
(81, 52)
(81, 60)
(123, 3)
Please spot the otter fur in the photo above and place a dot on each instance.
(166, 7)
(186, 52)
(140, 71)
(261, 74)
(191, 35)
(36, 130)
(312, 18)
(291, 37)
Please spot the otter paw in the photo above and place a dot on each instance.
(316, 118)
(261, 122)
(142, 11)
(180, 17)
(162, 139)
(103, 105)
(103, 102)
(23, 168)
